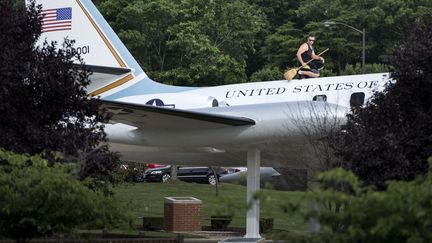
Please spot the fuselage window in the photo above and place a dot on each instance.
(215, 103)
(357, 99)
(320, 98)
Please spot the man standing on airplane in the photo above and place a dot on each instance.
(306, 53)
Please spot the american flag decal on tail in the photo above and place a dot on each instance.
(56, 19)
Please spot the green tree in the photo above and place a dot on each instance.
(44, 105)
(391, 21)
(386, 24)
(201, 62)
(369, 68)
(188, 42)
(38, 200)
(348, 212)
(145, 27)
(267, 74)
(277, 12)
(280, 47)
(159, 33)
(391, 137)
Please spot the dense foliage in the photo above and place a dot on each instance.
(44, 105)
(213, 42)
(391, 138)
(38, 200)
(348, 212)
(185, 41)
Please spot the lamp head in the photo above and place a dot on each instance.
(328, 23)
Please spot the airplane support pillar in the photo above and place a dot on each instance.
(253, 185)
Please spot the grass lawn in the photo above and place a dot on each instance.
(147, 199)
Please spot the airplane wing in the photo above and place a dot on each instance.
(156, 117)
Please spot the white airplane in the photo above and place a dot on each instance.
(231, 125)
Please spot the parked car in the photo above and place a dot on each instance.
(232, 170)
(159, 174)
(152, 165)
(185, 173)
(200, 174)
(239, 174)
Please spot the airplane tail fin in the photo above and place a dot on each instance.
(98, 45)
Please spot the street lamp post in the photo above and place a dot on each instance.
(363, 32)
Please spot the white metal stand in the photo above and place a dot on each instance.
(253, 185)
(252, 215)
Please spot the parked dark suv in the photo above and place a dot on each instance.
(185, 173)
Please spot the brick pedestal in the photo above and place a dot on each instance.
(182, 214)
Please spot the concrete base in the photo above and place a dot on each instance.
(243, 240)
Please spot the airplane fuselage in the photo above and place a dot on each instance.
(336, 90)
(280, 109)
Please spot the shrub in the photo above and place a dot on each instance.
(369, 68)
(267, 74)
(220, 222)
(390, 138)
(153, 223)
(37, 200)
(266, 225)
(348, 212)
